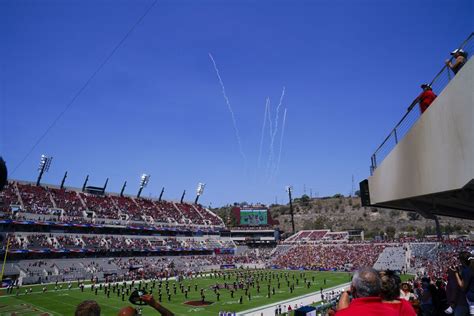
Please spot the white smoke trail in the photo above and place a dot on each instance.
(273, 133)
(234, 122)
(281, 143)
(270, 148)
(263, 132)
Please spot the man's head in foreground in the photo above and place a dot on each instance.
(366, 282)
(88, 308)
(127, 311)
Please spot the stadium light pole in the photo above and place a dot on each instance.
(199, 191)
(182, 196)
(144, 179)
(288, 189)
(43, 167)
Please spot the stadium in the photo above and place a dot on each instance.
(70, 247)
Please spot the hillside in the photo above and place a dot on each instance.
(343, 213)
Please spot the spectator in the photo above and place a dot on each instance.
(441, 301)
(465, 280)
(366, 289)
(460, 58)
(452, 291)
(426, 294)
(426, 97)
(88, 308)
(406, 292)
(390, 293)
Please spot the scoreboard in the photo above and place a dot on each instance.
(253, 217)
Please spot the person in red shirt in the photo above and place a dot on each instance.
(425, 98)
(365, 289)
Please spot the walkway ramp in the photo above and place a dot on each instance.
(430, 168)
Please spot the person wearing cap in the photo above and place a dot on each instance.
(425, 98)
(460, 58)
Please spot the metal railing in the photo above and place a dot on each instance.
(439, 82)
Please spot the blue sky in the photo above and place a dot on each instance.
(350, 69)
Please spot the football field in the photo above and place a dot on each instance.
(266, 287)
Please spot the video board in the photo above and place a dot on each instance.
(253, 217)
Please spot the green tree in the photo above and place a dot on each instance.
(390, 231)
(419, 233)
(305, 198)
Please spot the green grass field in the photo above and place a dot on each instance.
(64, 302)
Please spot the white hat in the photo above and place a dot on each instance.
(457, 50)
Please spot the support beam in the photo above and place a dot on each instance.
(64, 180)
(161, 194)
(182, 196)
(123, 188)
(85, 183)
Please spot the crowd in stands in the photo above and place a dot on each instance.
(337, 256)
(68, 201)
(112, 242)
(8, 196)
(85, 207)
(35, 199)
(432, 259)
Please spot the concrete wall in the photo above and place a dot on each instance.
(437, 154)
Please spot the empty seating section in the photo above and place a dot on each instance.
(35, 199)
(316, 235)
(392, 258)
(321, 235)
(307, 235)
(336, 236)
